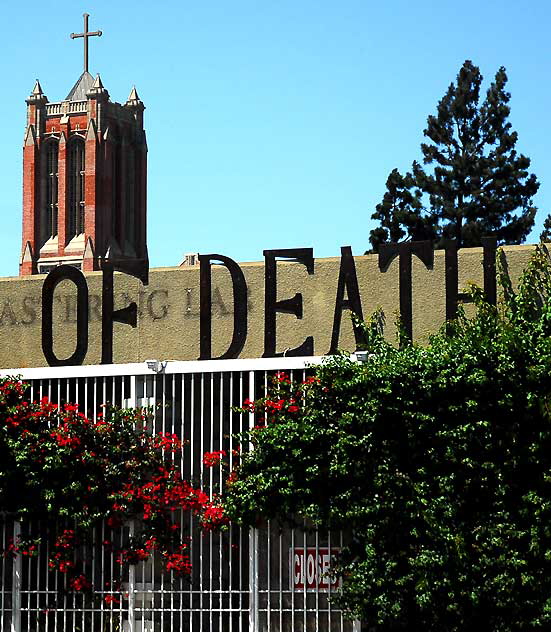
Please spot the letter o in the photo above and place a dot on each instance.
(311, 570)
(58, 274)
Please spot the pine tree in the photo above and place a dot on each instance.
(545, 235)
(474, 183)
(401, 213)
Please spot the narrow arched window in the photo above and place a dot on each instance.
(75, 170)
(116, 193)
(130, 210)
(50, 189)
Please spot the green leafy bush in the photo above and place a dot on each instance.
(438, 459)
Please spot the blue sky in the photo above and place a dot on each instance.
(273, 124)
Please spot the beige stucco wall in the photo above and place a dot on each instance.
(168, 322)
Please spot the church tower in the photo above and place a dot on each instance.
(84, 177)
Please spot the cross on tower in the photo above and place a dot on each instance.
(85, 35)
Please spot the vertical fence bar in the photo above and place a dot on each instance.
(241, 538)
(282, 561)
(16, 584)
(202, 478)
(340, 548)
(305, 581)
(292, 587)
(164, 381)
(3, 564)
(253, 580)
(253, 539)
(220, 580)
(318, 581)
(329, 586)
(192, 475)
(211, 485)
(131, 590)
(230, 530)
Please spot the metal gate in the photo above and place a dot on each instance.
(268, 579)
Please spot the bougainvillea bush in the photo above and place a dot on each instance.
(438, 459)
(62, 474)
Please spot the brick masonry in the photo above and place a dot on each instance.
(115, 172)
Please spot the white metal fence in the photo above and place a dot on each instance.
(268, 579)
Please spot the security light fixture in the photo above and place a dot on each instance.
(361, 356)
(157, 366)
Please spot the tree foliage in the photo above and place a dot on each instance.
(438, 459)
(545, 235)
(473, 182)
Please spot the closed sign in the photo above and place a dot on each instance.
(310, 568)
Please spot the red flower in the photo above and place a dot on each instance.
(211, 459)
(114, 521)
(282, 378)
(278, 404)
(132, 556)
(151, 544)
(30, 551)
(11, 549)
(167, 442)
(311, 380)
(178, 563)
(79, 583)
(214, 518)
(248, 406)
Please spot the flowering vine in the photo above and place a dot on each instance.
(283, 403)
(73, 473)
(284, 400)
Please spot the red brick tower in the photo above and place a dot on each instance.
(84, 177)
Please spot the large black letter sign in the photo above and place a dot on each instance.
(58, 274)
(453, 296)
(349, 281)
(288, 305)
(424, 250)
(239, 307)
(127, 315)
(489, 246)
